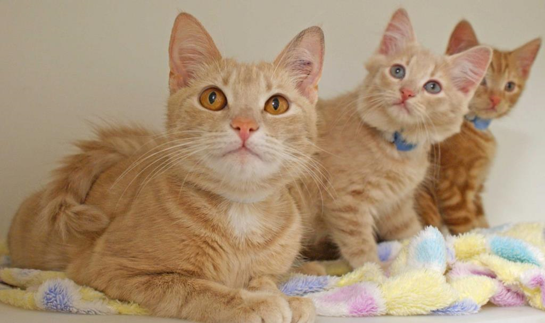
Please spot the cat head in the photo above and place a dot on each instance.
(409, 88)
(506, 75)
(241, 130)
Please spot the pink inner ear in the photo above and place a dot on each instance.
(469, 67)
(398, 33)
(303, 58)
(526, 55)
(190, 47)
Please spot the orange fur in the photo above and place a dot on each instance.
(200, 225)
(372, 183)
(451, 196)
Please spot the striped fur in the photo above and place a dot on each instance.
(451, 195)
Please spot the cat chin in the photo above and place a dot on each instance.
(389, 119)
(242, 167)
(485, 113)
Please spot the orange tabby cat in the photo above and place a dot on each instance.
(376, 140)
(452, 195)
(200, 226)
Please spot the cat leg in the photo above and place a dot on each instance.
(351, 227)
(401, 222)
(302, 309)
(427, 209)
(457, 206)
(174, 295)
(480, 218)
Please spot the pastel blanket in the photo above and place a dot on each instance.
(429, 274)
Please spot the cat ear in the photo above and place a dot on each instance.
(463, 37)
(525, 55)
(398, 34)
(304, 59)
(190, 47)
(469, 67)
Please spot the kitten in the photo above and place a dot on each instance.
(452, 196)
(200, 226)
(376, 139)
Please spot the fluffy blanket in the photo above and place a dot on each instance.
(429, 274)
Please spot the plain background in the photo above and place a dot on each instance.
(65, 63)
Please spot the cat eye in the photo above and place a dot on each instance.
(213, 99)
(432, 87)
(483, 82)
(276, 105)
(397, 71)
(510, 86)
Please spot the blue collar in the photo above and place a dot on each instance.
(479, 123)
(400, 142)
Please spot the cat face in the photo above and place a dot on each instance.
(241, 128)
(411, 89)
(506, 75)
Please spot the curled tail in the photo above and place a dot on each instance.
(63, 200)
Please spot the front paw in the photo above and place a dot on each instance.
(260, 307)
(312, 268)
(357, 262)
(303, 310)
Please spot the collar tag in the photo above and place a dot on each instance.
(479, 123)
(401, 144)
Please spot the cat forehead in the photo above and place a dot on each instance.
(248, 77)
(421, 61)
(502, 64)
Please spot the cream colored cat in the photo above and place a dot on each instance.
(200, 226)
(376, 139)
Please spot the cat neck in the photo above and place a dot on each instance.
(241, 193)
(479, 123)
(249, 221)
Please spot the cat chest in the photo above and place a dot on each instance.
(259, 245)
(401, 178)
(469, 149)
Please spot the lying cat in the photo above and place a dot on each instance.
(197, 223)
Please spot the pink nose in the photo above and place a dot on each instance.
(406, 94)
(244, 126)
(495, 100)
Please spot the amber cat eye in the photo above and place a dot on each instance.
(277, 105)
(213, 99)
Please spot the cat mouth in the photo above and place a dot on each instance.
(403, 106)
(242, 151)
(490, 109)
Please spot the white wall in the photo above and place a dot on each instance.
(63, 63)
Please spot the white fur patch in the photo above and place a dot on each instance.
(244, 219)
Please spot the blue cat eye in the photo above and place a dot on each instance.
(510, 86)
(397, 71)
(432, 87)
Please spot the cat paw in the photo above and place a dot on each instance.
(303, 310)
(360, 261)
(312, 268)
(265, 308)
